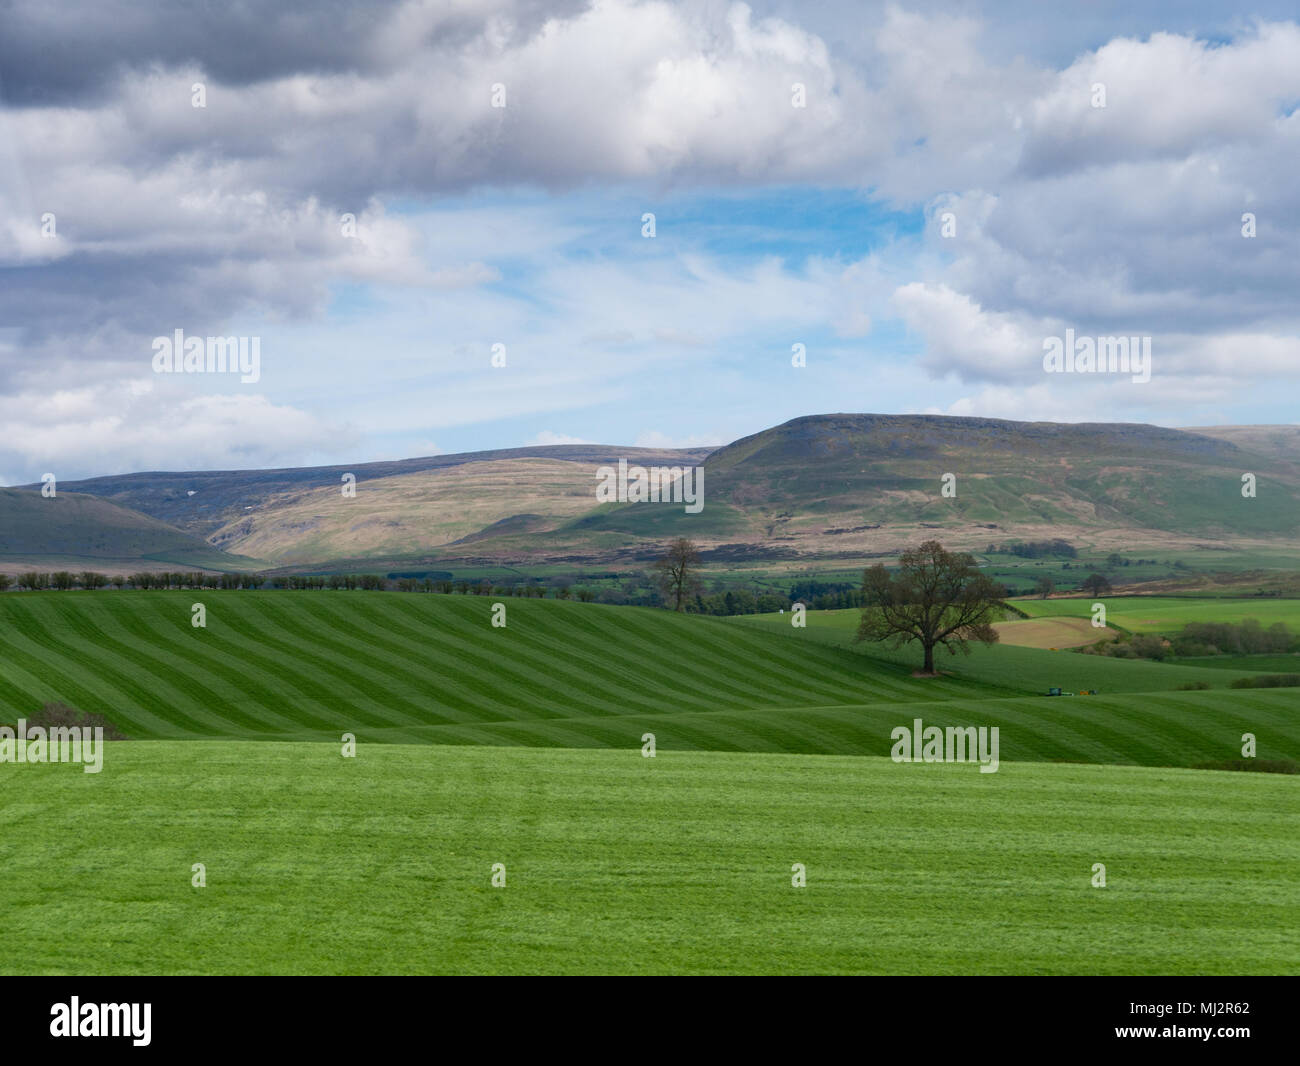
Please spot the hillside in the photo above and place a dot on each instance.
(823, 488)
(836, 484)
(1277, 442)
(204, 501)
(73, 531)
(406, 514)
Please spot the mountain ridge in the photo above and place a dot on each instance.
(828, 486)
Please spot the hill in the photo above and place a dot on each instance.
(860, 484)
(1277, 442)
(71, 531)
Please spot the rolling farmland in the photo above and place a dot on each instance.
(522, 746)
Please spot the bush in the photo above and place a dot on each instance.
(60, 715)
(1147, 646)
(1192, 686)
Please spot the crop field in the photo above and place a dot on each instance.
(523, 746)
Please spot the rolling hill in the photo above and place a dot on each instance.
(846, 484)
(823, 488)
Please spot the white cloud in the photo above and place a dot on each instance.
(157, 428)
(548, 437)
(653, 438)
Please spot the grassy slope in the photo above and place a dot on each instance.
(1168, 614)
(619, 864)
(411, 513)
(1150, 729)
(311, 665)
(403, 668)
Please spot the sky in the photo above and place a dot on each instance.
(385, 195)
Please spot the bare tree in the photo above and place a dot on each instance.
(675, 572)
(938, 598)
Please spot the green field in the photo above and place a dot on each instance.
(1168, 614)
(1026, 670)
(522, 746)
(1253, 664)
(620, 864)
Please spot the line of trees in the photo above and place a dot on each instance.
(1035, 549)
(63, 580)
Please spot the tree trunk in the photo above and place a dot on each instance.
(929, 659)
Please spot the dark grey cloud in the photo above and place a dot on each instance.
(60, 52)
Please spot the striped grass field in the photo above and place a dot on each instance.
(616, 863)
(402, 668)
(309, 665)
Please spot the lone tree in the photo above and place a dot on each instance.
(1096, 585)
(937, 597)
(1045, 586)
(675, 572)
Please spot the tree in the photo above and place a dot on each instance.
(1096, 585)
(675, 572)
(938, 598)
(1044, 587)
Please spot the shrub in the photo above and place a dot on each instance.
(57, 715)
